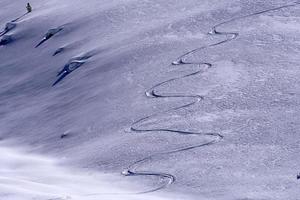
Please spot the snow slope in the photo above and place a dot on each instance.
(74, 73)
(27, 176)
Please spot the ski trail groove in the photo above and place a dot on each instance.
(132, 170)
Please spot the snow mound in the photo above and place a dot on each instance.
(49, 34)
(6, 39)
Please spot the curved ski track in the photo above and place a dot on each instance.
(153, 93)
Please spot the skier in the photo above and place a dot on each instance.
(29, 8)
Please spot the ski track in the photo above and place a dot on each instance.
(153, 93)
(132, 170)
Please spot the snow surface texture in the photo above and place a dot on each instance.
(225, 116)
(26, 176)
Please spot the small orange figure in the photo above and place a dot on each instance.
(29, 8)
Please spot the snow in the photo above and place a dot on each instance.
(24, 175)
(104, 55)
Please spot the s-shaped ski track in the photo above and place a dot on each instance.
(132, 170)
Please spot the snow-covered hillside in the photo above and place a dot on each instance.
(219, 119)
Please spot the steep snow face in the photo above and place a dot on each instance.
(124, 36)
(73, 74)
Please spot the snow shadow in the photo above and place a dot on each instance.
(73, 64)
(50, 33)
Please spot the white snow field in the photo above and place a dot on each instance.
(150, 99)
(26, 176)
